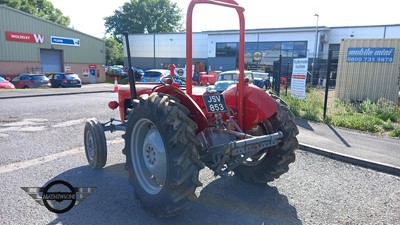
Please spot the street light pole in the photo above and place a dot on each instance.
(315, 50)
(170, 51)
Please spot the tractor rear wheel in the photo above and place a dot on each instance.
(272, 162)
(162, 154)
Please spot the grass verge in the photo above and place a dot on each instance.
(110, 80)
(376, 117)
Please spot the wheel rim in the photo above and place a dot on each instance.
(89, 145)
(148, 155)
(256, 159)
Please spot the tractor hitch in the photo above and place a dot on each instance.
(232, 154)
(109, 126)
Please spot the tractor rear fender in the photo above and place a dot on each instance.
(257, 104)
(196, 114)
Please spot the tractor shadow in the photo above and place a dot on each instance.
(232, 201)
(222, 201)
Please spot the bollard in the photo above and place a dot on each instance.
(115, 84)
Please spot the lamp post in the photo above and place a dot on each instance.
(315, 50)
(170, 51)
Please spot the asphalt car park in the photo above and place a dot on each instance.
(316, 190)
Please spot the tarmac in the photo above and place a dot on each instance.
(377, 152)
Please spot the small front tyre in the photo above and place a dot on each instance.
(95, 144)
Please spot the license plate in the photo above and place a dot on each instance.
(152, 79)
(215, 103)
(74, 81)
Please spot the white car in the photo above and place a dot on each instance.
(228, 78)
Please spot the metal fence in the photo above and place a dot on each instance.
(352, 81)
(342, 80)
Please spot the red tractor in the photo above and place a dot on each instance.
(171, 135)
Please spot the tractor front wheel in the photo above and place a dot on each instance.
(95, 144)
(162, 154)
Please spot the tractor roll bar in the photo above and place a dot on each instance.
(189, 46)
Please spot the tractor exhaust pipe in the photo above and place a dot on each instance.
(131, 72)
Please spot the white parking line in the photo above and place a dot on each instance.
(41, 160)
(70, 123)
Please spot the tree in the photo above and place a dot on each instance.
(145, 16)
(39, 8)
(114, 52)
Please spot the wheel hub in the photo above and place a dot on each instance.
(90, 145)
(154, 155)
(149, 157)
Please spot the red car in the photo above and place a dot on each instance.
(5, 84)
(209, 78)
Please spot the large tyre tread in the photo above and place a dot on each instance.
(279, 157)
(182, 150)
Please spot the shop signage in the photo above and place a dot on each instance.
(257, 56)
(24, 37)
(85, 72)
(180, 72)
(299, 76)
(67, 68)
(383, 55)
(65, 41)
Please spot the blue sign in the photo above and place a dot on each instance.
(65, 41)
(383, 55)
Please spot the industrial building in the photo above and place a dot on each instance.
(218, 50)
(273, 50)
(29, 44)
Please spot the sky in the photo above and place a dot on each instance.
(87, 15)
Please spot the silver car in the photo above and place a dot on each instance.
(31, 81)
